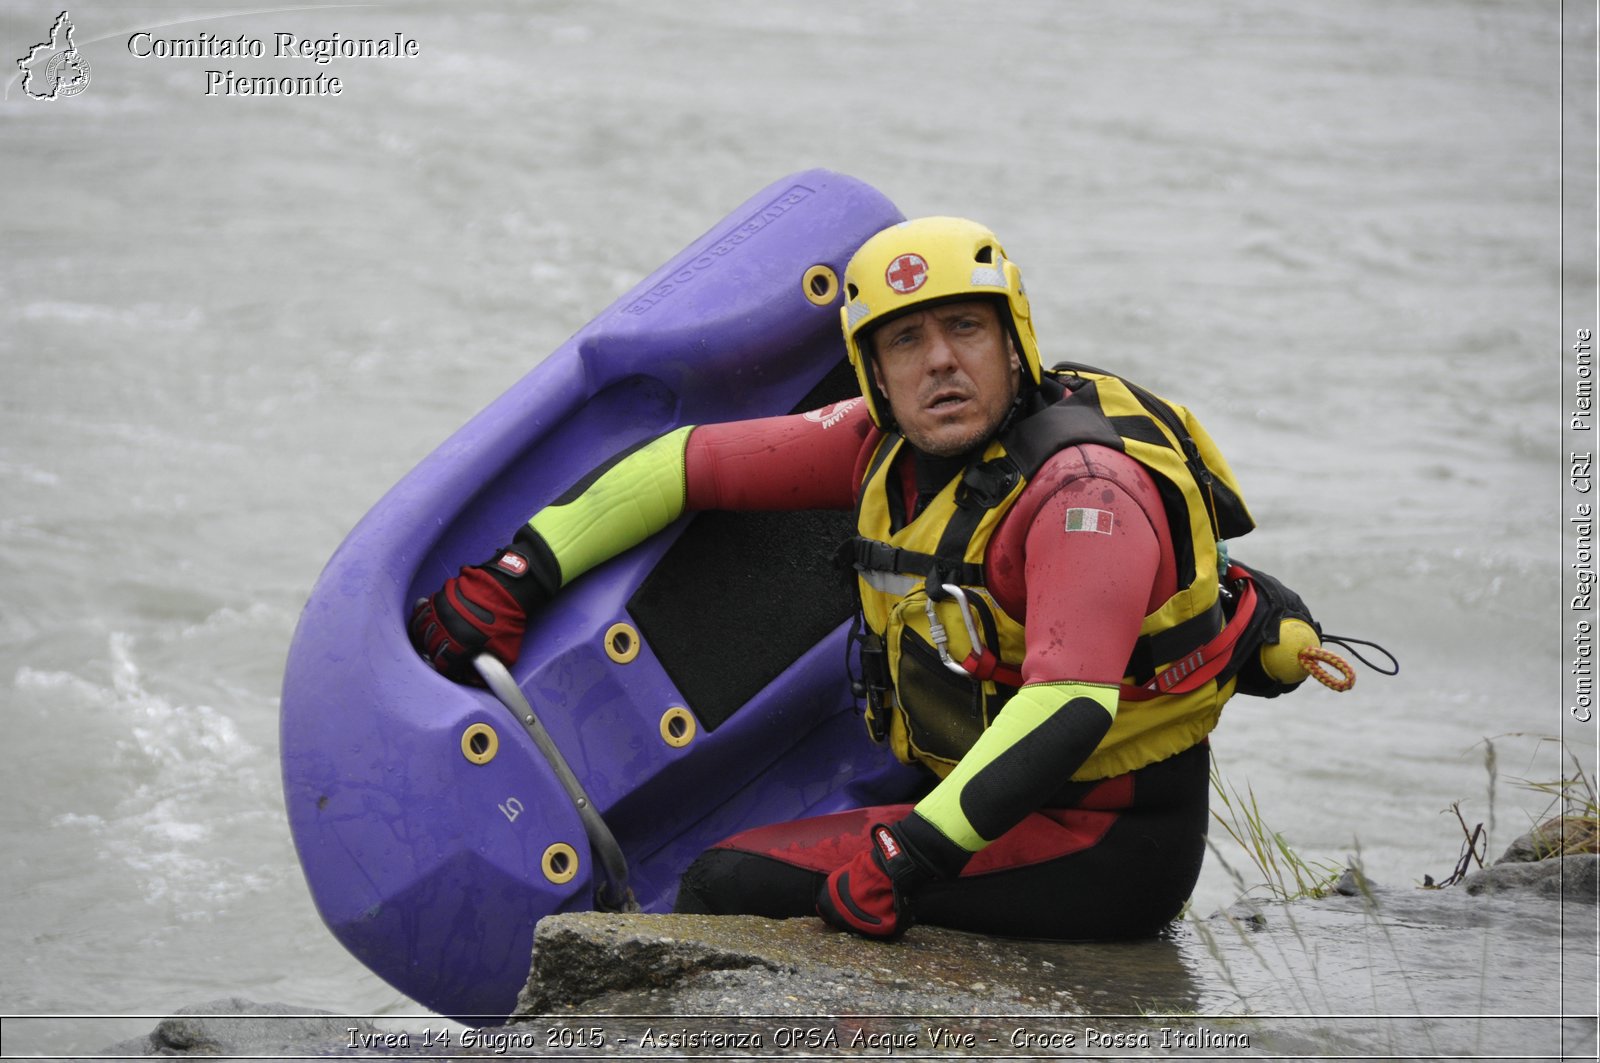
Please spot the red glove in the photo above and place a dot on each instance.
(868, 894)
(484, 609)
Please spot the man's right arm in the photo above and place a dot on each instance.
(803, 461)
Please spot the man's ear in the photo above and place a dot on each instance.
(877, 375)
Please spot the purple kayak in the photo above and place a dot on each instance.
(696, 685)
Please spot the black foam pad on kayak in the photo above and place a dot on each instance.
(741, 596)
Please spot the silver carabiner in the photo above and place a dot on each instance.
(941, 640)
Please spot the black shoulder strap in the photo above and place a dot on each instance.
(1075, 418)
(872, 556)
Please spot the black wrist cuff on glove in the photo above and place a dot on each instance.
(1276, 602)
(937, 855)
(527, 569)
(898, 862)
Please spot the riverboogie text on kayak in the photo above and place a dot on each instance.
(318, 50)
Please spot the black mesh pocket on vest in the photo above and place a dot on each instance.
(944, 711)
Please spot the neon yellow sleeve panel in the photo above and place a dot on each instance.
(631, 501)
(1053, 733)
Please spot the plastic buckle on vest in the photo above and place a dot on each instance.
(987, 484)
(941, 640)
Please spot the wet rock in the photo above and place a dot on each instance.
(1246, 914)
(799, 985)
(584, 955)
(594, 959)
(239, 1027)
(1353, 883)
(1571, 878)
(1562, 836)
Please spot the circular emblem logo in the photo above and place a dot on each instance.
(67, 74)
(907, 273)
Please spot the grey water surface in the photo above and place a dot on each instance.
(228, 324)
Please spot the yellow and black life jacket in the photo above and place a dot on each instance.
(940, 657)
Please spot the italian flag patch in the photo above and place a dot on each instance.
(1089, 520)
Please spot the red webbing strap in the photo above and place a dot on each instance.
(986, 665)
(1190, 673)
(1201, 666)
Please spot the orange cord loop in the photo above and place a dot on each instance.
(1313, 658)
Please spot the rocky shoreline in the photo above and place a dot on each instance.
(1501, 965)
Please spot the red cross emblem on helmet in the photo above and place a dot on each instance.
(906, 273)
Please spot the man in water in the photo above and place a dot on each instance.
(1038, 564)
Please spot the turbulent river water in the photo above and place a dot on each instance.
(229, 323)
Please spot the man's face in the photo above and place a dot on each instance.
(949, 373)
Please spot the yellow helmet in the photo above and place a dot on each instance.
(923, 261)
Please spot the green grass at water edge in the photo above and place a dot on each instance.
(1286, 874)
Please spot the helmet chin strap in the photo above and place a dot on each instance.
(1021, 404)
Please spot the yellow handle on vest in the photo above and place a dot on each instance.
(1298, 653)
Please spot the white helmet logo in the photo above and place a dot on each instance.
(906, 274)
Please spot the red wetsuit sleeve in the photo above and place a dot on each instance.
(1090, 543)
(803, 461)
